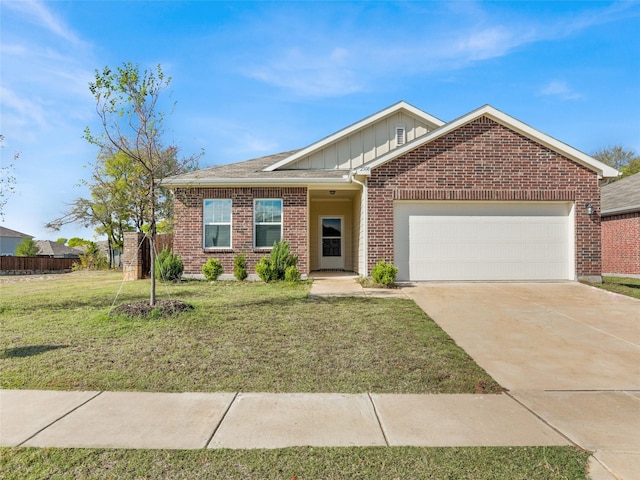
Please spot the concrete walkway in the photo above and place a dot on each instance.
(265, 420)
(337, 284)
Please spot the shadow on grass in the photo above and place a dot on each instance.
(628, 285)
(29, 351)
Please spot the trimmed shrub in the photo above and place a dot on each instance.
(169, 267)
(240, 267)
(291, 274)
(212, 269)
(274, 267)
(264, 270)
(384, 273)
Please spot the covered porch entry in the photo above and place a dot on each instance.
(335, 217)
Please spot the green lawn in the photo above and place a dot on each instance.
(625, 286)
(57, 334)
(506, 463)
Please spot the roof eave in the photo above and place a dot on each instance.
(217, 182)
(621, 211)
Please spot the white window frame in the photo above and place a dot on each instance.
(255, 223)
(205, 224)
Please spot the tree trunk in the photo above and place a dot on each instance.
(152, 246)
(110, 249)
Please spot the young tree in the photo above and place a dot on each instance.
(624, 160)
(7, 179)
(127, 103)
(27, 248)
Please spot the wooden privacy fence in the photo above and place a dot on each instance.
(28, 265)
(137, 253)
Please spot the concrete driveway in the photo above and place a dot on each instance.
(568, 352)
(541, 336)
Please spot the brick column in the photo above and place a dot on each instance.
(132, 262)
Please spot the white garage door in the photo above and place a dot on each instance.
(484, 241)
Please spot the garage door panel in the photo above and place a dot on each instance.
(483, 241)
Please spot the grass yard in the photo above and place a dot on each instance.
(625, 286)
(506, 463)
(56, 334)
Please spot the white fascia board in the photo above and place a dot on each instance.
(239, 182)
(402, 105)
(509, 122)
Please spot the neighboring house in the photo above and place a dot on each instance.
(621, 227)
(52, 249)
(103, 245)
(483, 197)
(9, 240)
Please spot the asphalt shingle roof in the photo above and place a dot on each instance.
(48, 247)
(7, 232)
(621, 196)
(252, 169)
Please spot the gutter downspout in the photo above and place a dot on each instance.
(364, 213)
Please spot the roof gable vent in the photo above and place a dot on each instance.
(401, 136)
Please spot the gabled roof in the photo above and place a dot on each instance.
(507, 121)
(345, 132)
(622, 196)
(272, 169)
(252, 172)
(8, 233)
(48, 247)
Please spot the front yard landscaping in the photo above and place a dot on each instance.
(57, 334)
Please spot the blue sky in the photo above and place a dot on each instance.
(251, 79)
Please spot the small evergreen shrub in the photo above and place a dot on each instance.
(291, 274)
(384, 273)
(264, 270)
(274, 267)
(240, 267)
(212, 269)
(169, 267)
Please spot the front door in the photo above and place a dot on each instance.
(331, 243)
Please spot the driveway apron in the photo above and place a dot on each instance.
(568, 352)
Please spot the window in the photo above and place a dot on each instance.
(217, 223)
(268, 222)
(400, 136)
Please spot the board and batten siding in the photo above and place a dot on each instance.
(364, 145)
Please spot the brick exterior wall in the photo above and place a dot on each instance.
(621, 244)
(486, 161)
(187, 240)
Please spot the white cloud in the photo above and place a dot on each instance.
(561, 89)
(325, 61)
(36, 12)
(324, 74)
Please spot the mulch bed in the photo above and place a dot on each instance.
(162, 308)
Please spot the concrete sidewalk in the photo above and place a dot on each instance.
(264, 420)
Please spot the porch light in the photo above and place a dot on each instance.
(589, 208)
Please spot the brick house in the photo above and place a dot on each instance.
(621, 227)
(484, 197)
